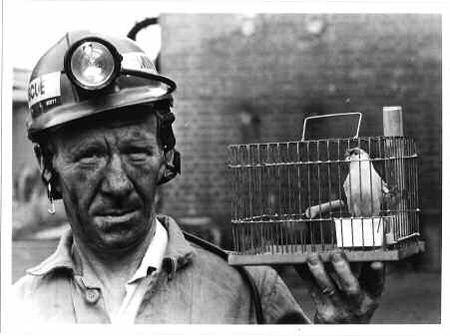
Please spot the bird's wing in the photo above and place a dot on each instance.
(346, 188)
(378, 184)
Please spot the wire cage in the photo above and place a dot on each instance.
(290, 199)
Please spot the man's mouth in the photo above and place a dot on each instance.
(119, 216)
(111, 219)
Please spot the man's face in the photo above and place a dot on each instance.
(108, 171)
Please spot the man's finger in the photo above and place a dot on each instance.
(348, 282)
(320, 300)
(372, 278)
(322, 280)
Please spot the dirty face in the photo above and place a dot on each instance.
(108, 172)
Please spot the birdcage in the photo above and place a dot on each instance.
(357, 194)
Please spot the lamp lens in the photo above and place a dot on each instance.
(92, 65)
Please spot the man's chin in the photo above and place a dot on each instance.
(117, 242)
(120, 234)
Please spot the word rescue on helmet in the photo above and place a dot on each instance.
(45, 89)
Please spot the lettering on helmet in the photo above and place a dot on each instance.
(45, 88)
(138, 61)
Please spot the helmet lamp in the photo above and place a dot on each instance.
(92, 64)
(97, 74)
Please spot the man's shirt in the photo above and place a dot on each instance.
(191, 286)
(147, 271)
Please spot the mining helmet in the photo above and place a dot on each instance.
(85, 74)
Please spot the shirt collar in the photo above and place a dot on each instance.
(154, 255)
(60, 259)
(178, 253)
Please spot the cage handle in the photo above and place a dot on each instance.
(330, 115)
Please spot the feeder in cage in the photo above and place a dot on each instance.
(353, 194)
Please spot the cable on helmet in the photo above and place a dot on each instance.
(93, 63)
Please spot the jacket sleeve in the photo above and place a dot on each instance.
(278, 304)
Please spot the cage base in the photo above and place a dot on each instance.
(352, 255)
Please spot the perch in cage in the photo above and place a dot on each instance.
(356, 194)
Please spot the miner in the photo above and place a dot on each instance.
(101, 123)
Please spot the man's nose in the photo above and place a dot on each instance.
(116, 181)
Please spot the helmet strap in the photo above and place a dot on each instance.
(172, 168)
(167, 138)
(48, 175)
(165, 132)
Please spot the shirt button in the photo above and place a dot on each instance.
(92, 295)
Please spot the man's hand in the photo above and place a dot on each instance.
(339, 295)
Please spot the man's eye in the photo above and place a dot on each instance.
(138, 154)
(89, 156)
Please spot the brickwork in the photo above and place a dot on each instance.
(359, 63)
(283, 71)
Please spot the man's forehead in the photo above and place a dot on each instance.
(133, 122)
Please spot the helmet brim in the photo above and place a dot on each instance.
(66, 113)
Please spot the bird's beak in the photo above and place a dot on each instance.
(347, 153)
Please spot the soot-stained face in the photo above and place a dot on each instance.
(108, 172)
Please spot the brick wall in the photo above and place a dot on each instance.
(236, 87)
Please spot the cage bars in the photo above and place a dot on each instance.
(274, 184)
